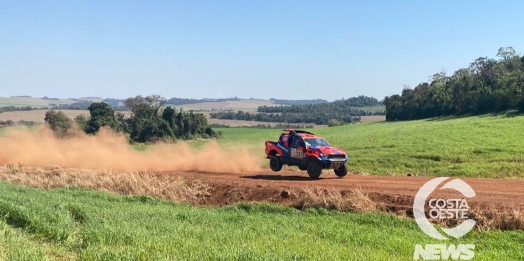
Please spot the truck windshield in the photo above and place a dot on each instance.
(316, 142)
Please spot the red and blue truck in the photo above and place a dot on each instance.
(307, 151)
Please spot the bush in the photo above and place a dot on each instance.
(58, 121)
(334, 122)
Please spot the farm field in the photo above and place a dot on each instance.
(372, 118)
(73, 223)
(250, 106)
(239, 123)
(372, 109)
(242, 105)
(37, 115)
(34, 102)
(68, 220)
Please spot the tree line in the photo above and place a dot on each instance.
(486, 86)
(183, 101)
(350, 105)
(149, 121)
(79, 105)
(15, 108)
(20, 122)
(318, 117)
(330, 113)
(297, 102)
(266, 126)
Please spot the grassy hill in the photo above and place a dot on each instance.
(484, 146)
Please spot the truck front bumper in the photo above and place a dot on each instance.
(333, 164)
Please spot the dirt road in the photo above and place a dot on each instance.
(393, 193)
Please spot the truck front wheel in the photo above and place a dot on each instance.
(314, 169)
(275, 164)
(341, 171)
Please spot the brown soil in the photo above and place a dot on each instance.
(392, 194)
(372, 118)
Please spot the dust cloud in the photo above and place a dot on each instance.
(108, 150)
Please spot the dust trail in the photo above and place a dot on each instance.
(108, 150)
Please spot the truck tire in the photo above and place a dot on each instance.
(314, 169)
(275, 164)
(341, 171)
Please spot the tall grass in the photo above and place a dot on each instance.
(168, 186)
(332, 199)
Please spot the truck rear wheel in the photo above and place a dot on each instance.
(341, 171)
(275, 164)
(314, 169)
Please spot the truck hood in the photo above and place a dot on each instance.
(327, 150)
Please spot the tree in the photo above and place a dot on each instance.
(486, 86)
(169, 115)
(506, 52)
(154, 101)
(101, 115)
(82, 121)
(132, 103)
(150, 129)
(121, 123)
(58, 121)
(146, 123)
(333, 122)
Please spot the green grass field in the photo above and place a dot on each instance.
(88, 225)
(485, 146)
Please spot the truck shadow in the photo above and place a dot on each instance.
(279, 177)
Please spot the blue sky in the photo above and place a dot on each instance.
(260, 49)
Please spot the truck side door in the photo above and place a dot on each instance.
(297, 147)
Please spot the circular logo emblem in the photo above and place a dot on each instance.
(443, 208)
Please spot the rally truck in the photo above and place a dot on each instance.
(307, 151)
